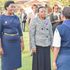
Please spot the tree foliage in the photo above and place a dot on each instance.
(65, 2)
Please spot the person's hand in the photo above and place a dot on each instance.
(22, 43)
(22, 46)
(52, 49)
(54, 66)
(1, 51)
(33, 50)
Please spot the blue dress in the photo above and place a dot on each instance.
(10, 32)
(63, 59)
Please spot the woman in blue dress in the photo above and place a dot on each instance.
(10, 38)
(61, 43)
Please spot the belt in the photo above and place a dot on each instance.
(10, 34)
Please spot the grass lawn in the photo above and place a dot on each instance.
(26, 58)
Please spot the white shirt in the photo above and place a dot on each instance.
(56, 39)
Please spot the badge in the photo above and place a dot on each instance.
(5, 22)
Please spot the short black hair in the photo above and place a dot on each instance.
(40, 8)
(7, 3)
(66, 12)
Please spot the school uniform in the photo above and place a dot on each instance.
(10, 33)
(62, 40)
(41, 38)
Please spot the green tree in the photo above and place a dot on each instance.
(65, 2)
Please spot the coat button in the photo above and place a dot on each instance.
(47, 36)
(42, 28)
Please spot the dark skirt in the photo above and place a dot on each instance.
(12, 53)
(41, 59)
